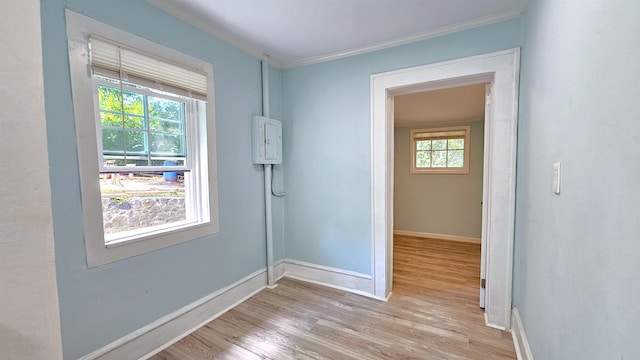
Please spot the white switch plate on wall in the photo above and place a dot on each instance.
(556, 178)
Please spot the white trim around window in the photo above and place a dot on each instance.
(79, 30)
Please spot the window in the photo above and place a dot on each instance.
(440, 150)
(145, 133)
(140, 131)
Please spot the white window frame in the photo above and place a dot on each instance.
(413, 169)
(203, 173)
(196, 210)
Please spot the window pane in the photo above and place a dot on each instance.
(134, 122)
(423, 145)
(439, 144)
(135, 142)
(439, 159)
(112, 141)
(164, 109)
(423, 159)
(136, 201)
(456, 144)
(109, 98)
(166, 144)
(455, 158)
(109, 119)
(165, 126)
(133, 103)
(115, 120)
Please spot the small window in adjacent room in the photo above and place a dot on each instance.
(440, 150)
(145, 133)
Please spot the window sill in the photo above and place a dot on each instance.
(132, 236)
(101, 254)
(439, 172)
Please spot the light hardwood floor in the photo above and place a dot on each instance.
(432, 314)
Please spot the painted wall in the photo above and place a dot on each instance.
(577, 268)
(29, 315)
(100, 305)
(327, 148)
(438, 204)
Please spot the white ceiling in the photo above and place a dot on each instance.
(296, 32)
(458, 104)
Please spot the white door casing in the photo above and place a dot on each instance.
(485, 186)
(502, 70)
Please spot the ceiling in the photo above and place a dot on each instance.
(458, 104)
(297, 32)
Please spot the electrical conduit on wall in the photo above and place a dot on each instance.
(268, 179)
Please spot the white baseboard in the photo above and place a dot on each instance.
(491, 325)
(438, 236)
(160, 334)
(278, 269)
(361, 284)
(523, 351)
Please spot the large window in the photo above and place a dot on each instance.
(440, 150)
(145, 133)
(140, 130)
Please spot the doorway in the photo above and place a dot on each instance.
(438, 187)
(501, 70)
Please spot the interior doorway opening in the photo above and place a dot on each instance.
(438, 191)
(501, 69)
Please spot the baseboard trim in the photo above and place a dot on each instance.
(162, 333)
(351, 281)
(523, 351)
(278, 269)
(465, 239)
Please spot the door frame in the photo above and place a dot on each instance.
(502, 70)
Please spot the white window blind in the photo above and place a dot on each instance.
(116, 61)
(434, 135)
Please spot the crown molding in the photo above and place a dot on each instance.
(208, 27)
(403, 40)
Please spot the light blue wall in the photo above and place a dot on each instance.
(327, 153)
(102, 304)
(577, 255)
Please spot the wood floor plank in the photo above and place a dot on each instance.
(432, 313)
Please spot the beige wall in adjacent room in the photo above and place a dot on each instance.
(438, 204)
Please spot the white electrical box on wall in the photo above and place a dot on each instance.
(266, 139)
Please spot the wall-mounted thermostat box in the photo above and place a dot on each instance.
(266, 139)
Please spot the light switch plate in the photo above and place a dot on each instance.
(556, 178)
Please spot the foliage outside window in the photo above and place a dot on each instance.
(440, 150)
(136, 126)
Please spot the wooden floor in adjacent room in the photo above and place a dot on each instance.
(432, 314)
